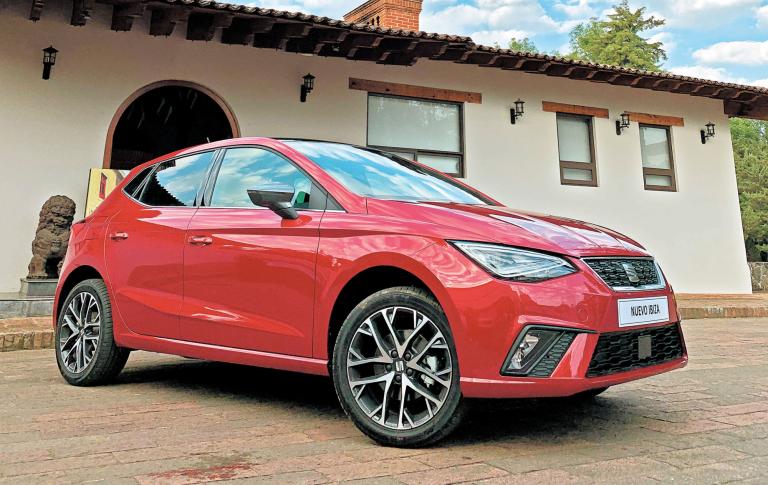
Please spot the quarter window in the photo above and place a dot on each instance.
(427, 131)
(176, 182)
(577, 153)
(658, 164)
(249, 168)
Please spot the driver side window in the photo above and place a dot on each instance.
(249, 168)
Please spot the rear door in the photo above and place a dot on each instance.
(249, 275)
(144, 247)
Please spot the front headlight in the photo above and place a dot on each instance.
(515, 264)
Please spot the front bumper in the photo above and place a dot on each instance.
(487, 316)
(570, 375)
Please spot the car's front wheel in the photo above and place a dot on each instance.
(395, 368)
(85, 347)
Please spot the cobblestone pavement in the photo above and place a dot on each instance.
(171, 420)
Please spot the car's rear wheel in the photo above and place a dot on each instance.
(395, 368)
(85, 346)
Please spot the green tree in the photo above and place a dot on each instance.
(617, 39)
(523, 45)
(750, 151)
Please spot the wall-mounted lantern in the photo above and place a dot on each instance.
(49, 59)
(622, 123)
(708, 133)
(307, 86)
(517, 111)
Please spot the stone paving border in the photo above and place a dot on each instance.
(32, 333)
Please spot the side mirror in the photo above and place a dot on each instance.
(275, 197)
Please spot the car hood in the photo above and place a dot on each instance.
(513, 227)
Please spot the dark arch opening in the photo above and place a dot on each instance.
(166, 118)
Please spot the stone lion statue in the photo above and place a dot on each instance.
(51, 237)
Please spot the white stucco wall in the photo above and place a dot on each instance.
(54, 131)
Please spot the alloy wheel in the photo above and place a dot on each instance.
(80, 332)
(399, 368)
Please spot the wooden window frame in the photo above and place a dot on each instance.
(418, 151)
(578, 165)
(665, 172)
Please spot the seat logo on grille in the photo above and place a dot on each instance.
(629, 269)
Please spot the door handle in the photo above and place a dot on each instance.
(200, 240)
(118, 236)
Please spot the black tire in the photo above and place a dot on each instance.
(108, 359)
(446, 418)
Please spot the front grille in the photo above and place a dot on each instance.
(618, 351)
(547, 364)
(626, 272)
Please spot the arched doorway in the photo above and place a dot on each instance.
(163, 117)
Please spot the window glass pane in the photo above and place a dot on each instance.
(130, 187)
(573, 139)
(176, 182)
(375, 174)
(654, 144)
(244, 169)
(444, 163)
(660, 180)
(413, 123)
(577, 174)
(406, 155)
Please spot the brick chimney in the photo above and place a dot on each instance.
(387, 14)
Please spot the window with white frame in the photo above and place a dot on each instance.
(577, 152)
(427, 131)
(658, 162)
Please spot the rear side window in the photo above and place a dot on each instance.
(131, 187)
(175, 183)
(248, 168)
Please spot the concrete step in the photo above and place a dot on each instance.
(26, 334)
(13, 305)
(723, 306)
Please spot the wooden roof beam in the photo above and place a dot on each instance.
(123, 15)
(81, 12)
(203, 26)
(242, 30)
(36, 10)
(163, 20)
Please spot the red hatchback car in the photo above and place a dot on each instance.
(411, 289)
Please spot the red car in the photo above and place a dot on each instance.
(411, 289)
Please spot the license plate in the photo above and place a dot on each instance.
(642, 311)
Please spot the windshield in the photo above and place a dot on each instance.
(372, 173)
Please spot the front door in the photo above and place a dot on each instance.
(249, 274)
(144, 247)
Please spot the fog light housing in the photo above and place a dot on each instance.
(532, 346)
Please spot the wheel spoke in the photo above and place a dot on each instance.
(374, 332)
(371, 380)
(372, 360)
(432, 375)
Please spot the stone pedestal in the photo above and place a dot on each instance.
(38, 287)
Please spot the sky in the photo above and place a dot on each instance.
(723, 40)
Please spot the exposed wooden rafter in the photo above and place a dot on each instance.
(36, 10)
(123, 15)
(164, 20)
(203, 26)
(242, 30)
(81, 12)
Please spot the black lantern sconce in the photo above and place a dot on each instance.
(517, 111)
(307, 86)
(708, 133)
(49, 59)
(622, 123)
